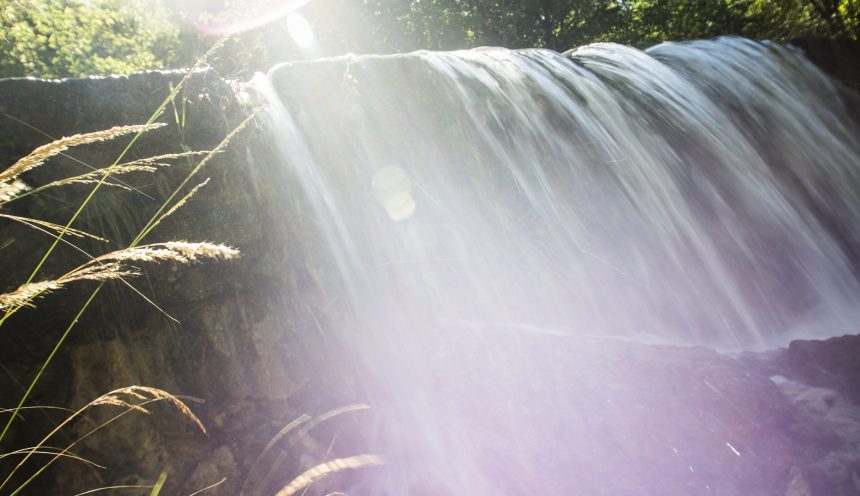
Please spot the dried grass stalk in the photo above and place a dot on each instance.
(97, 175)
(148, 164)
(11, 189)
(329, 415)
(184, 199)
(47, 450)
(99, 272)
(324, 469)
(38, 156)
(23, 296)
(115, 401)
(121, 397)
(115, 487)
(178, 204)
(308, 423)
(211, 486)
(175, 251)
(50, 226)
(113, 265)
(167, 156)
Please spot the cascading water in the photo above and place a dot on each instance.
(702, 193)
(695, 193)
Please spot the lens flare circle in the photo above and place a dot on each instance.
(393, 190)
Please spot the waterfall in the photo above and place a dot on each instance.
(443, 205)
(693, 193)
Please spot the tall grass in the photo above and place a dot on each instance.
(118, 266)
(111, 266)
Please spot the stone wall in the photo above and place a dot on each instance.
(236, 343)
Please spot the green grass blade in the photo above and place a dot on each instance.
(159, 483)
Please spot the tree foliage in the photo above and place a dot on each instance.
(55, 38)
(447, 24)
(563, 24)
(58, 38)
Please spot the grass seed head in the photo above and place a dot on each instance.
(41, 154)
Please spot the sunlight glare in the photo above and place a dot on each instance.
(252, 16)
(393, 190)
(300, 31)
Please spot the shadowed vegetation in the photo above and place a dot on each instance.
(72, 37)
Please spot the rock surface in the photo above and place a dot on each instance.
(507, 411)
(231, 342)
